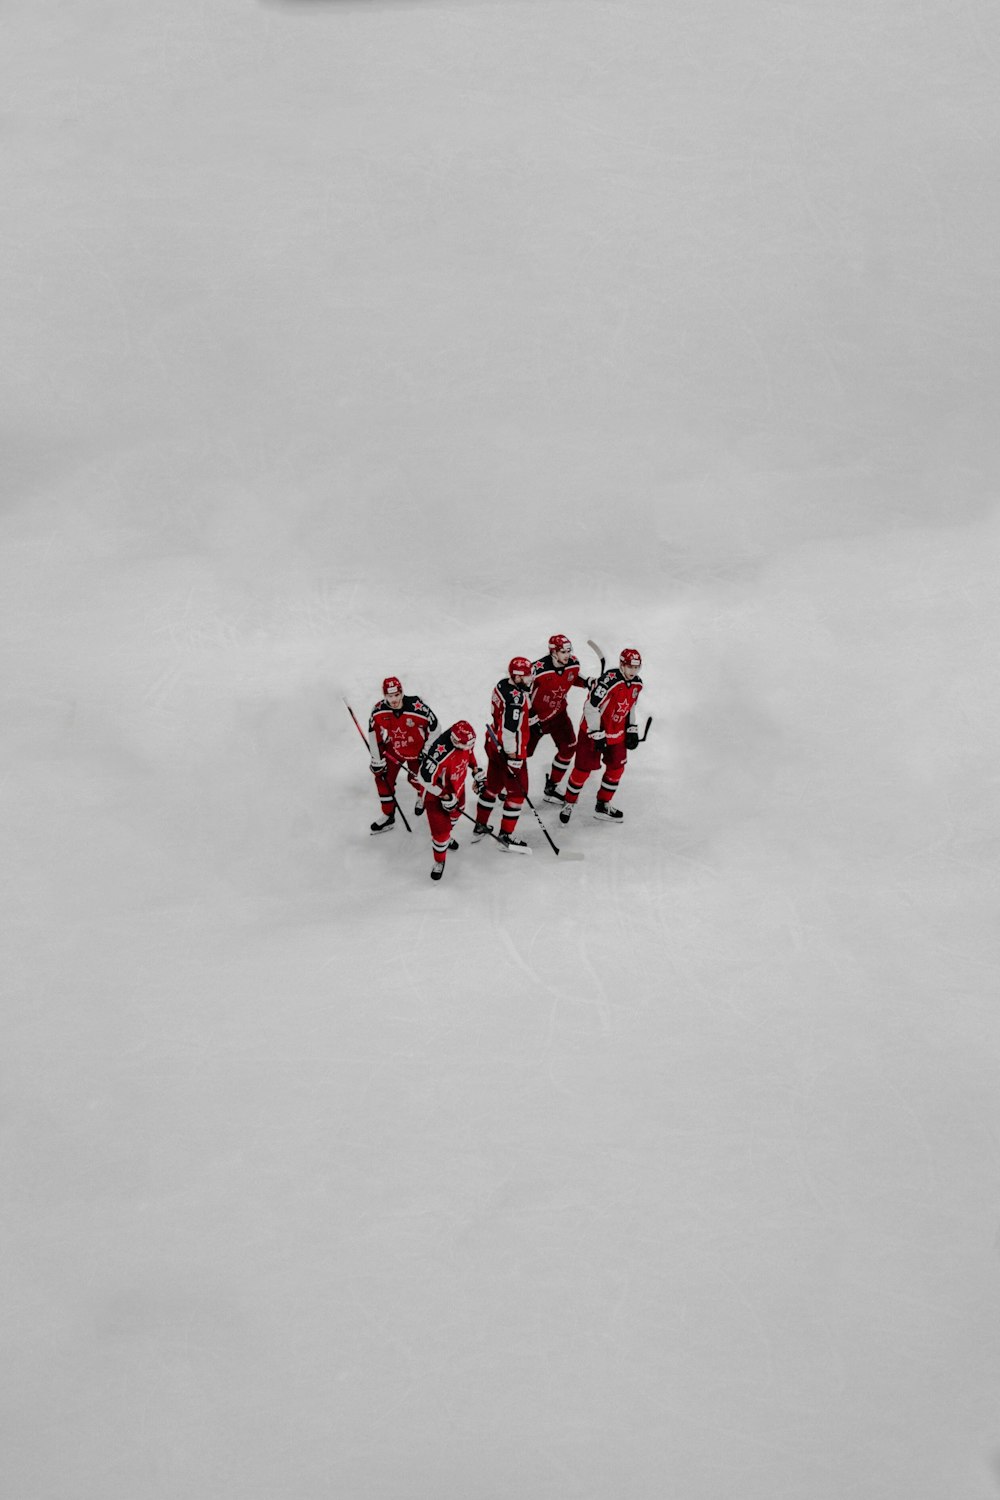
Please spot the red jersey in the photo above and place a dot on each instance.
(510, 711)
(611, 705)
(550, 685)
(443, 766)
(404, 731)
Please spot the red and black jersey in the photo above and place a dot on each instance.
(510, 712)
(403, 731)
(550, 685)
(443, 766)
(611, 704)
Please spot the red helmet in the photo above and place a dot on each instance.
(519, 666)
(463, 736)
(630, 658)
(391, 685)
(560, 643)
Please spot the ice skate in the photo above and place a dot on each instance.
(605, 813)
(508, 842)
(384, 825)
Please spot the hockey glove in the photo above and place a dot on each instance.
(631, 739)
(514, 765)
(598, 737)
(478, 779)
(449, 801)
(377, 768)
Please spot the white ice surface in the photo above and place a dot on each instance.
(347, 338)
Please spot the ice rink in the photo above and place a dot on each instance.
(347, 338)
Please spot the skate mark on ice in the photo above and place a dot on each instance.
(557, 995)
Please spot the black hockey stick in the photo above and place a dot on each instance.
(368, 747)
(598, 652)
(640, 738)
(552, 845)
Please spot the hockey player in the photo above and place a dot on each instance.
(398, 728)
(607, 733)
(506, 747)
(441, 780)
(551, 679)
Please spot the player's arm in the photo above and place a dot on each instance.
(375, 744)
(431, 776)
(587, 683)
(593, 709)
(632, 727)
(535, 690)
(424, 712)
(511, 730)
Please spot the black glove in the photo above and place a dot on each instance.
(631, 739)
(598, 736)
(377, 768)
(448, 801)
(479, 778)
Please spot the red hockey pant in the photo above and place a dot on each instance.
(588, 757)
(562, 732)
(500, 779)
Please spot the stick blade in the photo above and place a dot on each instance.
(597, 652)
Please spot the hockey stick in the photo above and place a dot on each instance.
(598, 653)
(552, 845)
(368, 747)
(642, 737)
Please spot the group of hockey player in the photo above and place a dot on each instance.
(527, 705)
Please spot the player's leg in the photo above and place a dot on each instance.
(585, 761)
(385, 783)
(515, 791)
(615, 757)
(564, 739)
(413, 767)
(495, 781)
(439, 825)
